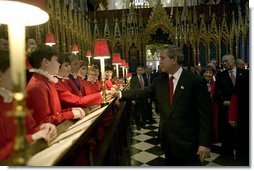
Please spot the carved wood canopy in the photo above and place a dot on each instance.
(158, 19)
(208, 30)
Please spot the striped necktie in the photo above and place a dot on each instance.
(141, 81)
(232, 76)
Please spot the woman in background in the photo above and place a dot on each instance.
(208, 73)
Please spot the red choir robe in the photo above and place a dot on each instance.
(109, 83)
(91, 87)
(28, 65)
(43, 100)
(79, 91)
(69, 99)
(8, 129)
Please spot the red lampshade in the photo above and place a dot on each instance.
(128, 75)
(116, 59)
(123, 63)
(101, 49)
(127, 66)
(88, 53)
(50, 39)
(74, 48)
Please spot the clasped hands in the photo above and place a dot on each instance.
(47, 131)
(78, 113)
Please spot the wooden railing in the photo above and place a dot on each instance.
(102, 138)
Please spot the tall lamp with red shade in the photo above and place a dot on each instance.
(101, 52)
(18, 14)
(50, 39)
(74, 49)
(123, 65)
(89, 55)
(126, 69)
(116, 61)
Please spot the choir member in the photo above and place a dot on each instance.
(67, 98)
(43, 98)
(92, 84)
(75, 82)
(46, 131)
(108, 77)
(83, 70)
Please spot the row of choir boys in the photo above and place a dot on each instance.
(59, 86)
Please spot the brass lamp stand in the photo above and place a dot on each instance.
(104, 94)
(16, 33)
(21, 145)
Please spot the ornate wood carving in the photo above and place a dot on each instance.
(158, 19)
(226, 30)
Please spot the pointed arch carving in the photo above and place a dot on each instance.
(158, 19)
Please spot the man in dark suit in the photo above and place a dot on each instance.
(148, 78)
(186, 123)
(137, 82)
(234, 133)
(156, 74)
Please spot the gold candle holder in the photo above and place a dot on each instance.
(19, 112)
(104, 94)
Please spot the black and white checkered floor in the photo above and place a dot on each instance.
(146, 151)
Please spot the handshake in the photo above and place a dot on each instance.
(110, 94)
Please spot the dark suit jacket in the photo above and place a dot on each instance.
(224, 91)
(224, 86)
(146, 79)
(134, 83)
(188, 123)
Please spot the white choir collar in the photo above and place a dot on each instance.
(51, 78)
(6, 94)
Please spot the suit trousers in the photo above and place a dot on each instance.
(139, 110)
(173, 161)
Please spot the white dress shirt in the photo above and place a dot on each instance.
(176, 77)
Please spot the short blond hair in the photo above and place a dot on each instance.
(93, 69)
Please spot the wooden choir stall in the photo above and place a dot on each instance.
(101, 138)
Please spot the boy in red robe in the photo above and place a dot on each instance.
(46, 131)
(108, 77)
(75, 82)
(92, 84)
(67, 98)
(43, 98)
(83, 70)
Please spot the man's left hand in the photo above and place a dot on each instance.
(203, 152)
